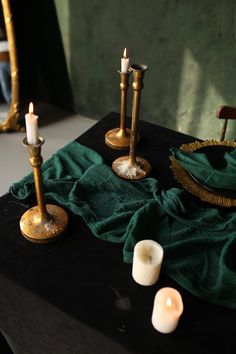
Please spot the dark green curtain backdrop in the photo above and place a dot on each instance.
(76, 45)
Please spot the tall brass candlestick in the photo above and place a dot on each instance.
(132, 166)
(119, 138)
(45, 222)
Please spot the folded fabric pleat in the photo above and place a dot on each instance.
(199, 243)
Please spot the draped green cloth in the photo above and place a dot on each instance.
(199, 165)
(199, 243)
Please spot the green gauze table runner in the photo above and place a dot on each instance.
(199, 165)
(199, 243)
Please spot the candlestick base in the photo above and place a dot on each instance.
(125, 169)
(118, 138)
(34, 229)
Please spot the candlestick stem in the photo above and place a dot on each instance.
(36, 160)
(124, 85)
(138, 74)
(44, 222)
(39, 194)
(133, 167)
(119, 138)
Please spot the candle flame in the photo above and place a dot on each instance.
(124, 55)
(31, 108)
(169, 302)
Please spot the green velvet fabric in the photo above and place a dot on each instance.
(200, 166)
(199, 243)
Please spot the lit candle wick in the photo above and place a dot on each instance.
(124, 55)
(169, 302)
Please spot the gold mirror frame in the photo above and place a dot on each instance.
(12, 118)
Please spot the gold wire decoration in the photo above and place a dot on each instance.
(185, 179)
(45, 222)
(133, 167)
(12, 118)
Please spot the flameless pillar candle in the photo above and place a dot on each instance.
(31, 123)
(167, 309)
(124, 63)
(147, 261)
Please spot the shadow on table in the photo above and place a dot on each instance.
(4, 346)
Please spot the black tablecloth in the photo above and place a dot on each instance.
(76, 295)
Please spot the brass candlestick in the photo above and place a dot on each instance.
(45, 222)
(134, 167)
(119, 138)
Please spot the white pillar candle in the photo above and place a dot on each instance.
(147, 261)
(124, 63)
(167, 309)
(31, 123)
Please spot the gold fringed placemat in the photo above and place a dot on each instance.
(191, 185)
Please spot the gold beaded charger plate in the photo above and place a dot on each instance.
(215, 149)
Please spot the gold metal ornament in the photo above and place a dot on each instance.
(12, 118)
(45, 222)
(191, 185)
(133, 167)
(119, 138)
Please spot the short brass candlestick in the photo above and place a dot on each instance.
(134, 167)
(119, 138)
(45, 222)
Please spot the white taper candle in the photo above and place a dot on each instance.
(31, 123)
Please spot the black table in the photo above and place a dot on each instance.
(77, 296)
